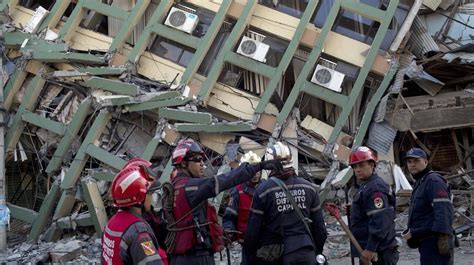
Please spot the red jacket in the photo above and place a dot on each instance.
(129, 239)
(245, 203)
(186, 236)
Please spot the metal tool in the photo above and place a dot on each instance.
(334, 211)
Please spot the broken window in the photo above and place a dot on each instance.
(215, 47)
(293, 8)
(33, 4)
(361, 28)
(237, 77)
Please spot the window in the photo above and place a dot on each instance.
(172, 51)
(360, 28)
(293, 8)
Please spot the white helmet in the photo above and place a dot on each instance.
(250, 157)
(281, 152)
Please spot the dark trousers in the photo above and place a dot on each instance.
(194, 260)
(245, 259)
(304, 256)
(388, 256)
(429, 254)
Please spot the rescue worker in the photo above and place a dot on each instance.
(431, 212)
(276, 232)
(153, 218)
(128, 238)
(237, 212)
(193, 232)
(372, 211)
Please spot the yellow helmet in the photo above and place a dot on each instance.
(250, 157)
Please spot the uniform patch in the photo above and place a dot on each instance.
(148, 248)
(378, 203)
(442, 193)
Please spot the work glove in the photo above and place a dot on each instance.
(273, 165)
(443, 244)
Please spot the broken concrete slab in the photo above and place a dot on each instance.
(64, 252)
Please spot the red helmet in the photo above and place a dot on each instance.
(145, 165)
(137, 161)
(361, 154)
(185, 149)
(129, 187)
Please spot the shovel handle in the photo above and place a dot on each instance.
(334, 211)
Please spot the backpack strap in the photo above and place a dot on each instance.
(297, 209)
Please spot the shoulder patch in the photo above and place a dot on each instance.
(148, 248)
(378, 202)
(377, 194)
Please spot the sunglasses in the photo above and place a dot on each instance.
(197, 159)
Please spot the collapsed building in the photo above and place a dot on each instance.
(89, 85)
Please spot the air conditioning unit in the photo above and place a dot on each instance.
(182, 20)
(254, 49)
(328, 78)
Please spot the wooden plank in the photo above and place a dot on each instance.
(466, 145)
(456, 146)
(445, 118)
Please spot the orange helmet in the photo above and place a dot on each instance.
(361, 154)
(129, 187)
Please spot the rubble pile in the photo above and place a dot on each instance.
(83, 95)
(81, 249)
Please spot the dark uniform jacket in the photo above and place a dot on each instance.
(373, 214)
(431, 209)
(137, 235)
(272, 217)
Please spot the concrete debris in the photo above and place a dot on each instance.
(62, 253)
(83, 95)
